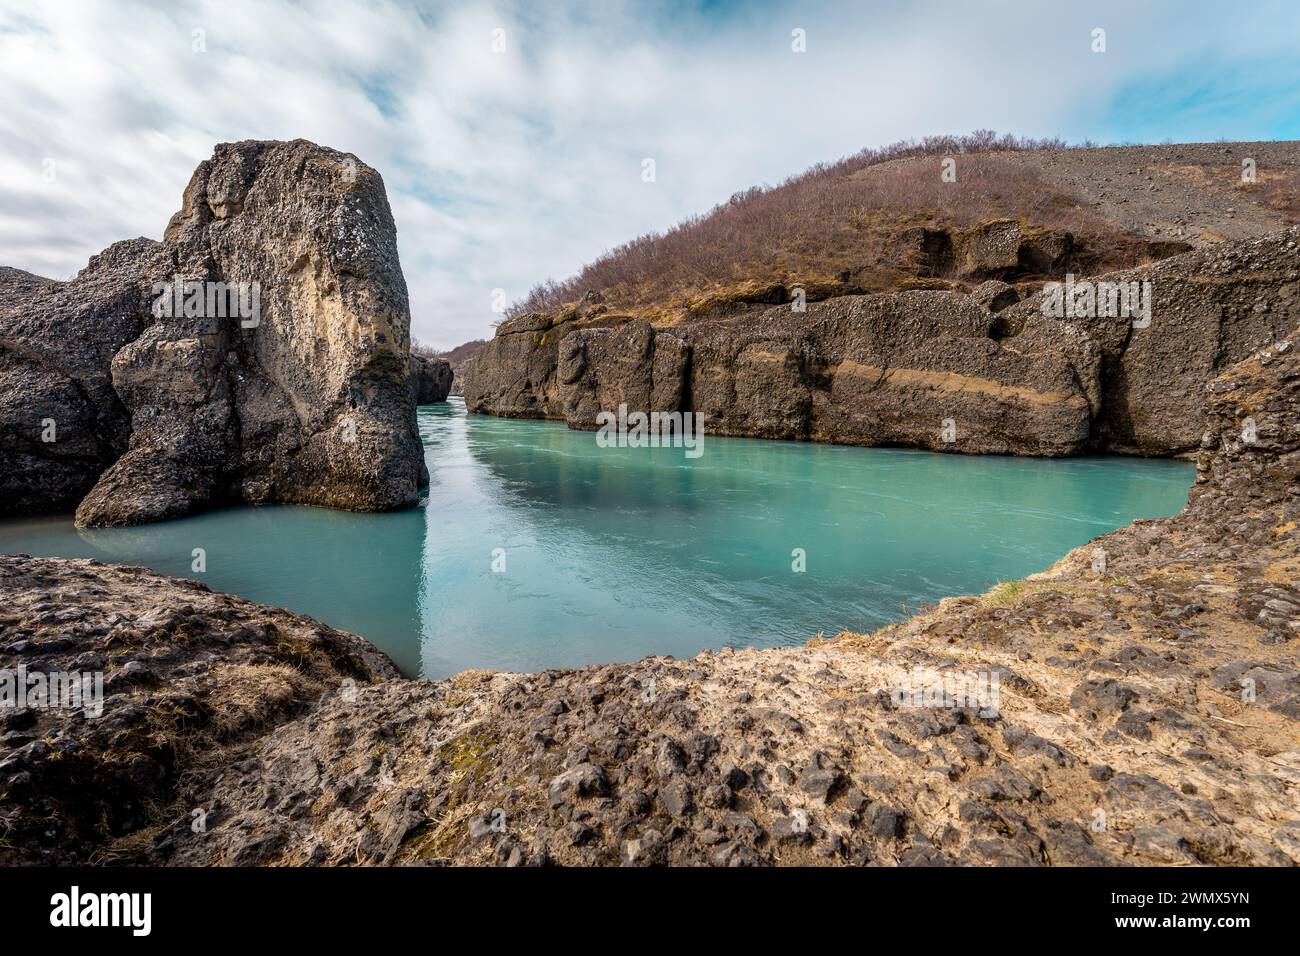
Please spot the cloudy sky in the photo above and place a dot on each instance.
(510, 165)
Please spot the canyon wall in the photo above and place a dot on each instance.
(928, 369)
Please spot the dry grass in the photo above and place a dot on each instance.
(1011, 593)
(463, 352)
(835, 225)
(466, 756)
(247, 697)
(1278, 189)
(1004, 594)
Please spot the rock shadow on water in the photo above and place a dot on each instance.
(356, 572)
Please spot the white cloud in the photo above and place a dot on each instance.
(506, 168)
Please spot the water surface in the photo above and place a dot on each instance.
(615, 553)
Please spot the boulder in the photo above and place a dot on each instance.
(989, 248)
(430, 379)
(161, 411)
(61, 422)
(1046, 253)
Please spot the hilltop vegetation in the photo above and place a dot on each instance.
(859, 225)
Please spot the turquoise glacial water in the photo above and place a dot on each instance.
(615, 553)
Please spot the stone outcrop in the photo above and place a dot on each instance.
(991, 248)
(1047, 253)
(1147, 712)
(61, 422)
(1210, 308)
(928, 369)
(513, 375)
(190, 678)
(304, 397)
(1250, 451)
(430, 379)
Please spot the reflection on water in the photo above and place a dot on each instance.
(612, 553)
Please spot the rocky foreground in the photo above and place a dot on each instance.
(1149, 713)
(193, 677)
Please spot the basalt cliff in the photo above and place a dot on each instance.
(958, 351)
(1148, 712)
(259, 353)
(927, 369)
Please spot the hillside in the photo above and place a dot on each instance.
(862, 224)
(872, 302)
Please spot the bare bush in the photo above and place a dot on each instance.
(831, 218)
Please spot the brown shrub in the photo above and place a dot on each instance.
(832, 223)
(423, 349)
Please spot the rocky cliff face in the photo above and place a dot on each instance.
(914, 368)
(1147, 712)
(430, 379)
(927, 369)
(460, 357)
(1250, 451)
(303, 396)
(61, 422)
(1210, 308)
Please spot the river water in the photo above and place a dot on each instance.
(536, 548)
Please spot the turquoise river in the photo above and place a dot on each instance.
(536, 548)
